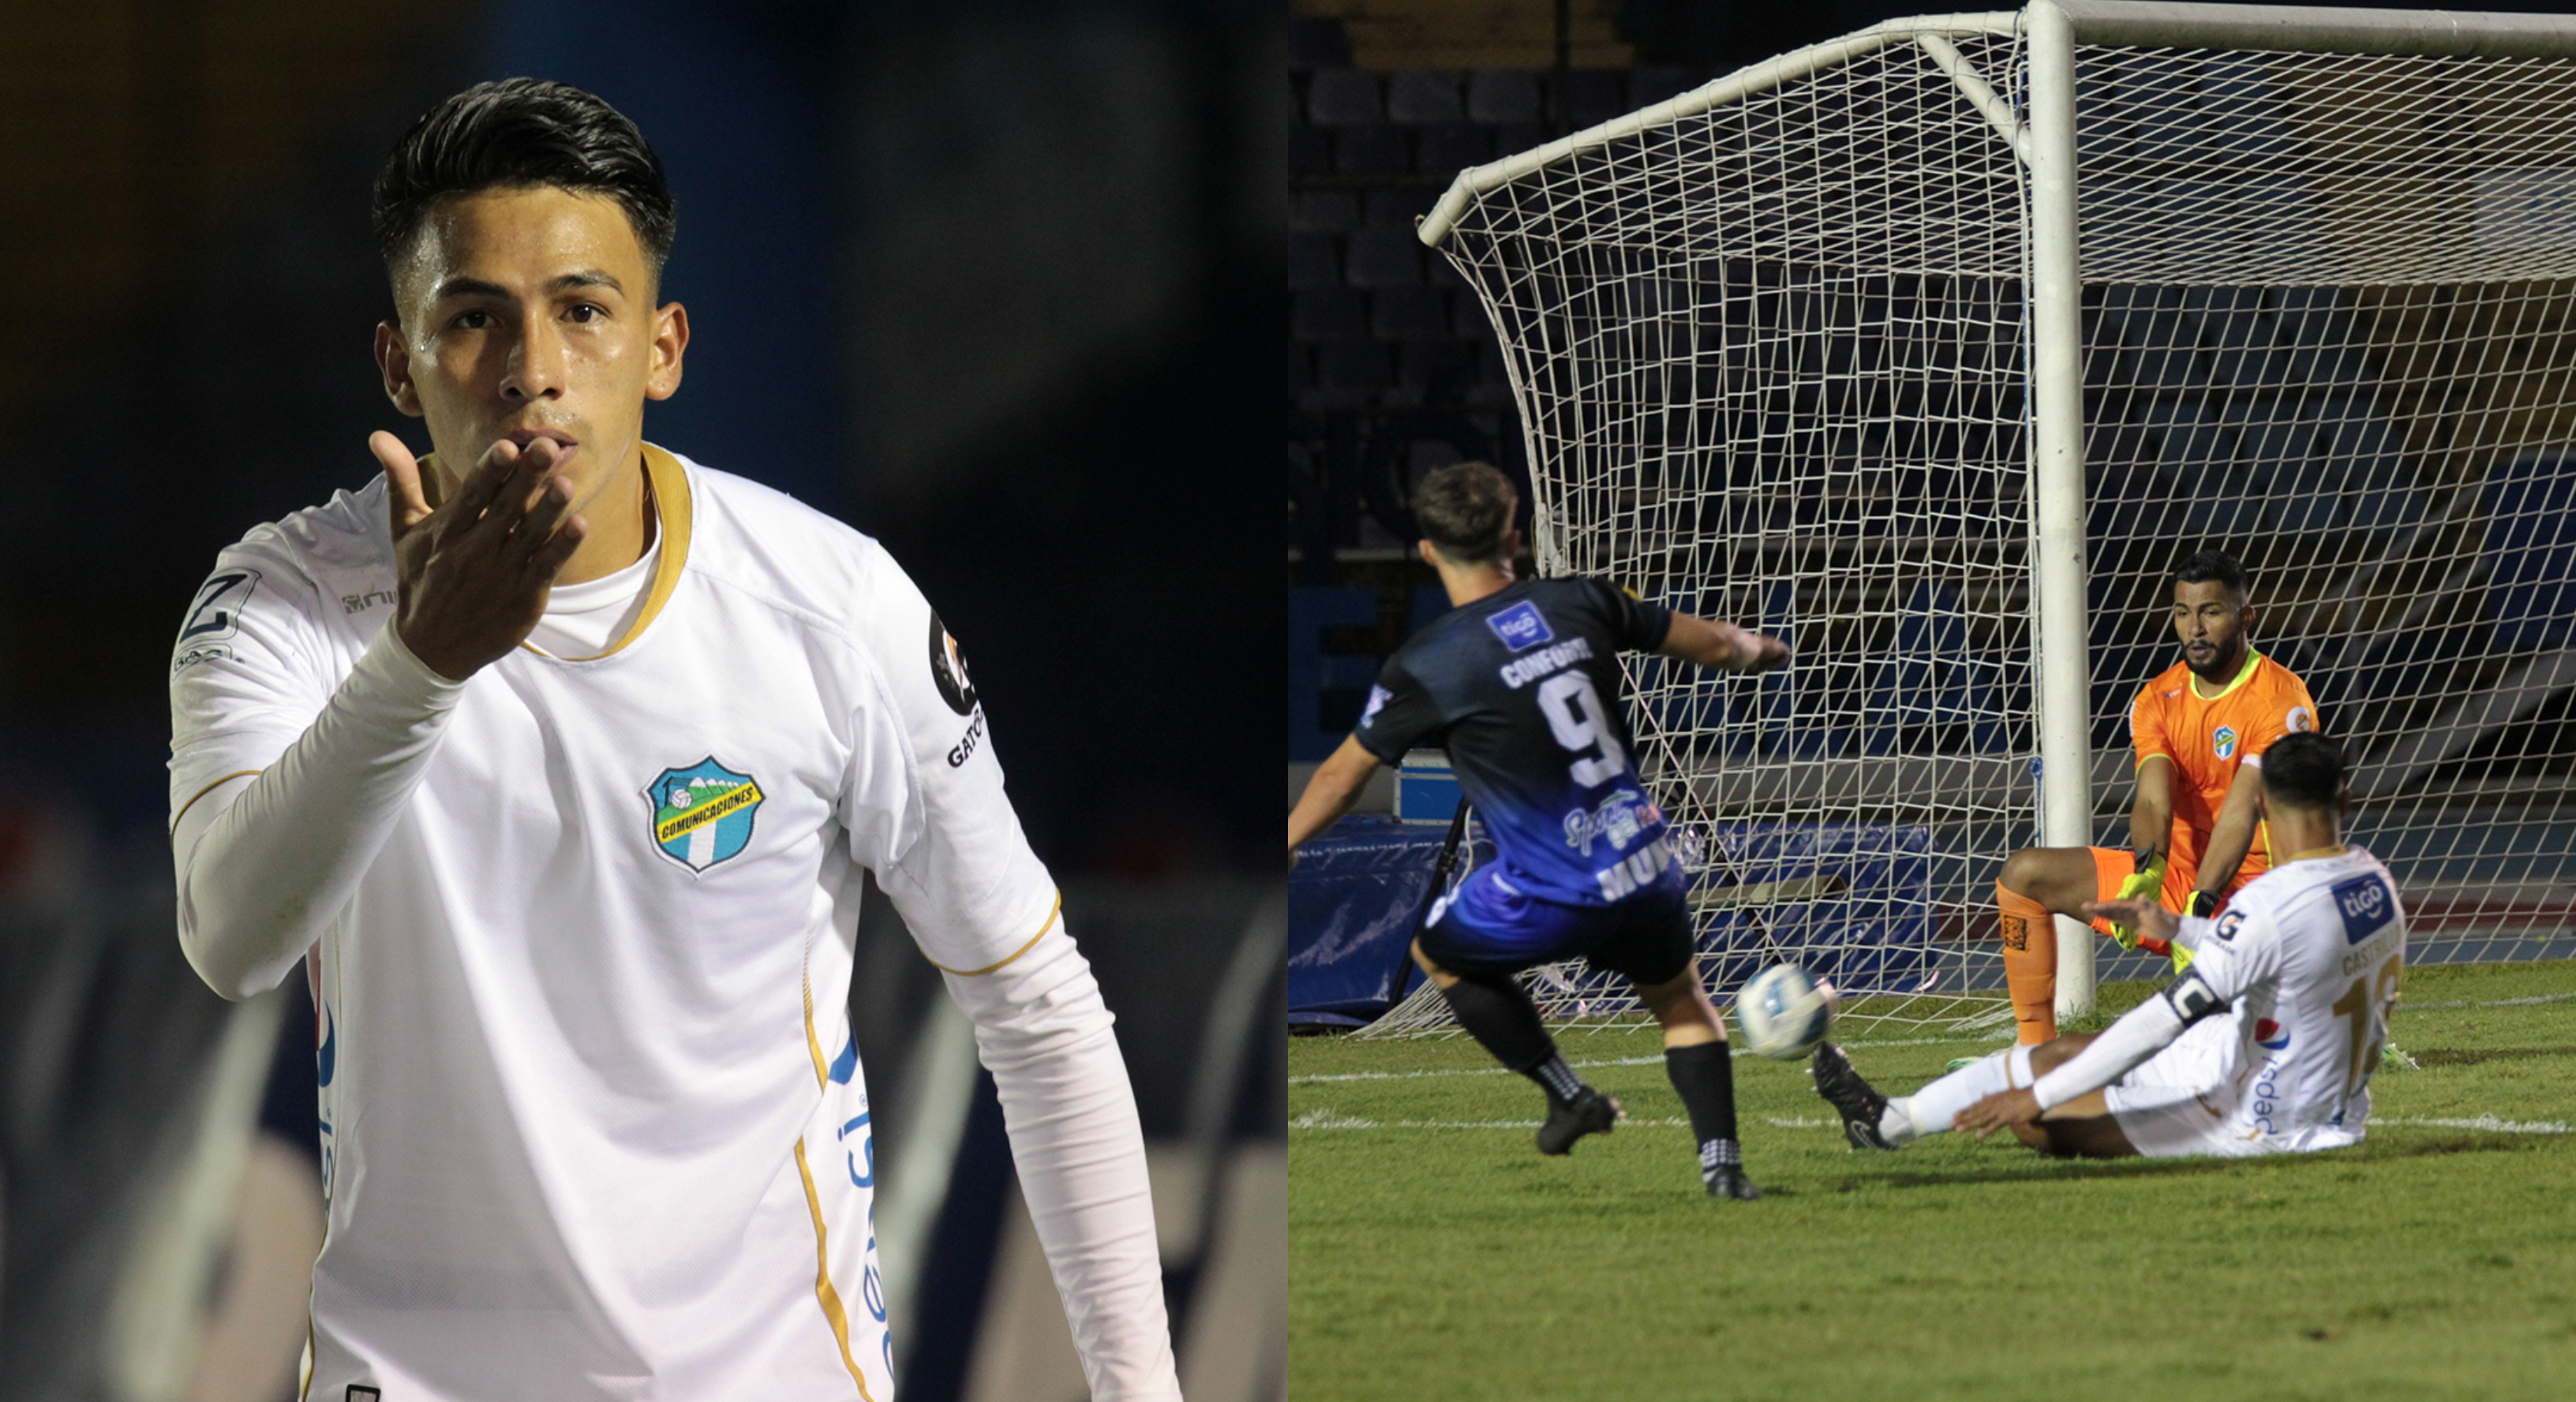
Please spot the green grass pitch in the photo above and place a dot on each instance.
(1435, 1254)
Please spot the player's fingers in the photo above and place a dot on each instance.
(491, 473)
(405, 504)
(548, 559)
(554, 498)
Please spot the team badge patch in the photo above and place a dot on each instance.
(2225, 741)
(702, 815)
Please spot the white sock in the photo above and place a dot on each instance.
(1935, 1108)
(1896, 1123)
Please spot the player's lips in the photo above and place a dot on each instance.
(564, 443)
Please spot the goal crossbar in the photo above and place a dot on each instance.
(2142, 23)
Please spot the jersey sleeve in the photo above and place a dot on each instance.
(247, 672)
(1638, 625)
(2147, 728)
(1400, 714)
(2237, 950)
(2287, 710)
(923, 802)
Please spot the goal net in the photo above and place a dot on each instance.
(1780, 354)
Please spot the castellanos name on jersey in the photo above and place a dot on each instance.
(1522, 688)
(2310, 953)
(594, 1103)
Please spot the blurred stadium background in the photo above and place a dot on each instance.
(989, 280)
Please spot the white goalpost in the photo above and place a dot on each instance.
(1936, 346)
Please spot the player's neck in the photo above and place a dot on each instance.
(2306, 836)
(621, 523)
(2210, 690)
(1468, 583)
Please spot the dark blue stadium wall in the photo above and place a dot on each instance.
(736, 99)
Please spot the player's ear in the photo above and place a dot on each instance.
(393, 358)
(1430, 556)
(670, 342)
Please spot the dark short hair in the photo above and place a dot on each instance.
(2210, 563)
(1465, 511)
(2305, 770)
(522, 133)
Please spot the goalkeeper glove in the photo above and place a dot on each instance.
(2199, 903)
(2146, 884)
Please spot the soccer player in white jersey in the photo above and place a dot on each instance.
(564, 756)
(2264, 1045)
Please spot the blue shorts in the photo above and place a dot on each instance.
(1489, 926)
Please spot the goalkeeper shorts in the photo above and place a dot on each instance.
(1489, 926)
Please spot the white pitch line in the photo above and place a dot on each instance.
(1333, 1119)
(1324, 1077)
(1329, 1119)
(2488, 1123)
(2406, 1007)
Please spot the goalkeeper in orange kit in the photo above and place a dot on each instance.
(2196, 829)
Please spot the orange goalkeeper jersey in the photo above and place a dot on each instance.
(2206, 739)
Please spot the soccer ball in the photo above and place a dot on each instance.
(1784, 1012)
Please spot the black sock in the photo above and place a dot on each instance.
(1705, 1076)
(1500, 1016)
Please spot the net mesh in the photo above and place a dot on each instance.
(1771, 362)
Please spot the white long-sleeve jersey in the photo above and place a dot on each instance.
(2308, 958)
(593, 1122)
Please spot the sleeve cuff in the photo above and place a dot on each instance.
(391, 674)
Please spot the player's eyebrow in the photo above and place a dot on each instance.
(477, 287)
(587, 277)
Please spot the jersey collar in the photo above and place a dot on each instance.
(668, 483)
(2191, 679)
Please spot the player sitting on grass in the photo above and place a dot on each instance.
(2264, 1045)
(2197, 729)
(1521, 683)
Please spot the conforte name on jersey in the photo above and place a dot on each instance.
(1521, 671)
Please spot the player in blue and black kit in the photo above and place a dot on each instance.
(1520, 682)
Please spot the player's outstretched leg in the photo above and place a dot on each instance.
(1696, 1059)
(1935, 1108)
(1856, 1100)
(1498, 1013)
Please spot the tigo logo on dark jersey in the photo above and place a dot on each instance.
(1521, 626)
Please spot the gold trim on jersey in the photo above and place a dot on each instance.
(2253, 660)
(823, 1291)
(813, 1047)
(1052, 912)
(667, 483)
(201, 793)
